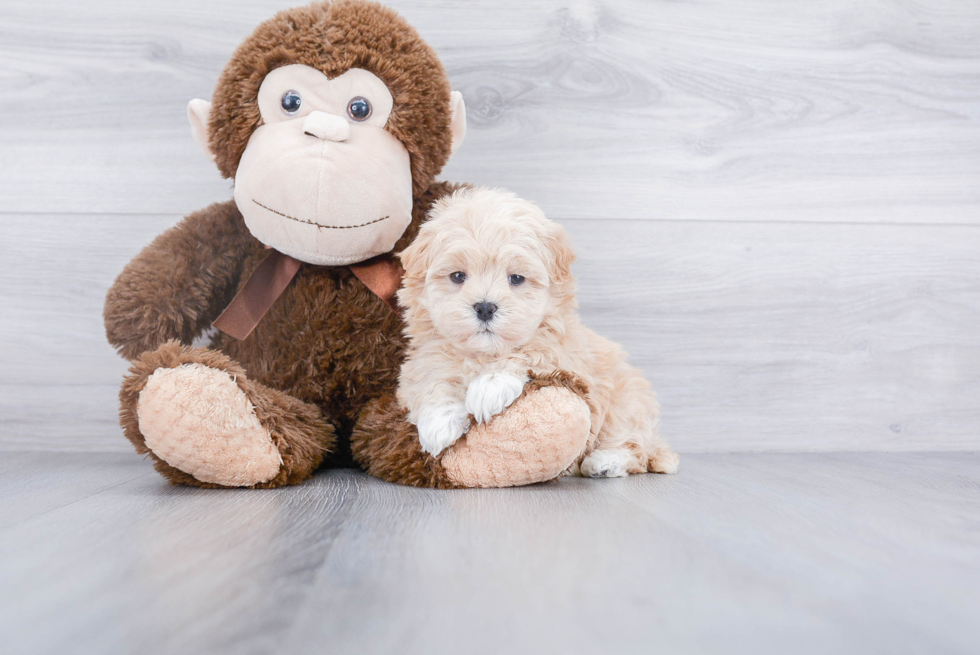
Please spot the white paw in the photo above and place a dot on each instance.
(490, 394)
(612, 463)
(441, 425)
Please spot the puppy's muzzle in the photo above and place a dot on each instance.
(485, 311)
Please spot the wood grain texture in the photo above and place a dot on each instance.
(751, 553)
(787, 337)
(758, 110)
(35, 483)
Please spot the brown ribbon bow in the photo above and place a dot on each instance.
(382, 275)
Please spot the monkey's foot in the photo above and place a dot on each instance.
(207, 425)
(197, 420)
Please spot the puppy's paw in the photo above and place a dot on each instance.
(612, 463)
(441, 425)
(490, 394)
(664, 460)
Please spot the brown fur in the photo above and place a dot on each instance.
(180, 282)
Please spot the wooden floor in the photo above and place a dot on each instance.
(753, 553)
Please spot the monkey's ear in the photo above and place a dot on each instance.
(457, 124)
(198, 113)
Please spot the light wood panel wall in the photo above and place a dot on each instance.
(776, 205)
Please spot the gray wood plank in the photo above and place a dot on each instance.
(34, 483)
(758, 110)
(63, 417)
(146, 567)
(739, 553)
(757, 336)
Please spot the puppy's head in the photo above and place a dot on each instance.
(485, 271)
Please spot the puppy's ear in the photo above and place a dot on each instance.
(417, 257)
(562, 255)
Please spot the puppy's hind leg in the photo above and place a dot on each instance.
(629, 439)
(630, 458)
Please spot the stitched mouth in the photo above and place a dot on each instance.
(322, 227)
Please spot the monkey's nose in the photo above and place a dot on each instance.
(484, 311)
(328, 127)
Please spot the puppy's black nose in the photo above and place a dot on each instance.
(484, 311)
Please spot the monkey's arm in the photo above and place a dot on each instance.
(179, 283)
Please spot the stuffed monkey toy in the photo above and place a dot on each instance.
(333, 120)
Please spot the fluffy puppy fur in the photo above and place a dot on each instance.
(489, 299)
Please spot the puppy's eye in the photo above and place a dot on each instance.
(458, 277)
(359, 109)
(291, 102)
(516, 280)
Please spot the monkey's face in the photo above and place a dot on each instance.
(321, 180)
(331, 118)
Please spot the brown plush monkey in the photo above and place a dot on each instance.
(333, 121)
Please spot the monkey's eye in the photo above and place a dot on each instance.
(359, 109)
(516, 280)
(458, 277)
(291, 102)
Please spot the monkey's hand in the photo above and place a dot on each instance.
(178, 284)
(491, 393)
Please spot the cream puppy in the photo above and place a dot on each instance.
(490, 299)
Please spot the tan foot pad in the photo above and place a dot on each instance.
(198, 420)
